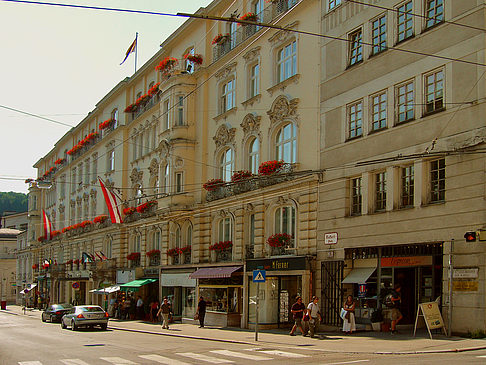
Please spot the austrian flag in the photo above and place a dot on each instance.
(111, 204)
(47, 226)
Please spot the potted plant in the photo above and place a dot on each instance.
(213, 184)
(220, 38)
(167, 64)
(194, 58)
(250, 17)
(269, 167)
(279, 240)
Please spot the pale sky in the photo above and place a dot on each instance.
(59, 62)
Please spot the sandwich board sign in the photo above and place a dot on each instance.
(432, 317)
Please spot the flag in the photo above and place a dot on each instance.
(92, 257)
(103, 256)
(97, 254)
(86, 258)
(130, 49)
(111, 204)
(47, 226)
(46, 263)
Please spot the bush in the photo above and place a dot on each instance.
(476, 334)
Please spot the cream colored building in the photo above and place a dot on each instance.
(254, 98)
(8, 283)
(402, 132)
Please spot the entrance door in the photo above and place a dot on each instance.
(332, 293)
(290, 287)
(406, 277)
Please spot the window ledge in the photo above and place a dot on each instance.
(440, 202)
(252, 100)
(397, 123)
(373, 131)
(283, 84)
(224, 115)
(349, 139)
(432, 112)
(354, 64)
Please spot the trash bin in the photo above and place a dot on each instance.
(3, 305)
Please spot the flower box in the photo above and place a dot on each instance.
(173, 252)
(194, 58)
(130, 108)
(221, 246)
(250, 17)
(213, 184)
(100, 219)
(133, 256)
(270, 167)
(167, 64)
(146, 206)
(154, 89)
(152, 253)
(106, 124)
(60, 161)
(220, 38)
(241, 176)
(185, 249)
(279, 240)
(129, 210)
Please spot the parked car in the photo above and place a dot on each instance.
(85, 315)
(54, 312)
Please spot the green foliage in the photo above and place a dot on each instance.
(476, 334)
(13, 202)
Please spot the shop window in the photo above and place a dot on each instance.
(407, 186)
(437, 181)
(225, 300)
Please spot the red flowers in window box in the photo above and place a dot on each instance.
(35, 266)
(130, 108)
(100, 218)
(221, 246)
(107, 123)
(90, 137)
(129, 210)
(251, 17)
(41, 238)
(85, 223)
(279, 240)
(55, 233)
(194, 58)
(153, 253)
(154, 89)
(59, 161)
(146, 206)
(220, 38)
(172, 252)
(166, 64)
(241, 175)
(69, 262)
(185, 249)
(269, 167)
(133, 256)
(213, 184)
(143, 99)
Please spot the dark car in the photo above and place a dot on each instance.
(85, 316)
(54, 312)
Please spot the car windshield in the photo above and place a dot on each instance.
(91, 309)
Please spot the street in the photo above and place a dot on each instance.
(28, 341)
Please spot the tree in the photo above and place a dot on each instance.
(13, 202)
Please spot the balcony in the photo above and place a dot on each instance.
(106, 264)
(154, 260)
(142, 108)
(224, 255)
(267, 15)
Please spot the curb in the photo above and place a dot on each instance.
(466, 349)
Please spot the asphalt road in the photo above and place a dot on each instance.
(28, 341)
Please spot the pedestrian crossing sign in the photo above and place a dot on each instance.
(259, 276)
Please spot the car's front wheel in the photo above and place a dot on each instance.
(63, 325)
(43, 318)
(73, 326)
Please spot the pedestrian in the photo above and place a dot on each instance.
(140, 311)
(297, 310)
(349, 324)
(396, 315)
(314, 316)
(165, 309)
(154, 308)
(201, 311)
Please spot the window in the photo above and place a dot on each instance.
(166, 178)
(80, 175)
(434, 12)
(177, 238)
(287, 62)
(258, 7)
(407, 182)
(405, 21)
(111, 160)
(254, 80)
(434, 92)
(355, 120)
(63, 187)
(252, 233)
(233, 33)
(334, 3)
(286, 143)
(380, 191)
(140, 144)
(109, 248)
(253, 156)
(285, 220)
(355, 47)
(154, 137)
(405, 102)
(378, 111)
(179, 184)
(228, 96)
(94, 167)
(378, 34)
(138, 194)
(180, 110)
(224, 229)
(86, 171)
(189, 235)
(437, 181)
(189, 65)
(356, 197)
(114, 117)
(73, 180)
(137, 243)
(165, 124)
(226, 165)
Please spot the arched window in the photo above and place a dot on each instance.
(286, 143)
(253, 156)
(226, 164)
(166, 179)
(138, 194)
(189, 66)
(189, 235)
(285, 220)
(177, 238)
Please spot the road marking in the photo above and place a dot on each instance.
(30, 363)
(118, 361)
(73, 362)
(346, 362)
(240, 355)
(213, 360)
(281, 353)
(481, 356)
(163, 360)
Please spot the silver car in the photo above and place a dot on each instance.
(85, 315)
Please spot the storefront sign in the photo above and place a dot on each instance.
(470, 273)
(362, 291)
(406, 261)
(465, 285)
(151, 273)
(179, 279)
(330, 238)
(281, 264)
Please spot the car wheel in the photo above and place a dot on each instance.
(63, 325)
(50, 319)
(104, 327)
(43, 318)
(73, 326)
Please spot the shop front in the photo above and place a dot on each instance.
(180, 289)
(286, 279)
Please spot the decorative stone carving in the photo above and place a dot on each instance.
(136, 176)
(61, 208)
(251, 123)
(79, 200)
(223, 213)
(72, 203)
(109, 184)
(252, 54)
(283, 108)
(154, 168)
(224, 135)
(226, 71)
(93, 193)
(282, 35)
(85, 197)
(164, 149)
(249, 207)
(178, 163)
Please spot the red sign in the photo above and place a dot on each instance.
(406, 261)
(75, 285)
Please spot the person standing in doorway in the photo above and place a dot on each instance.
(349, 324)
(396, 315)
(314, 316)
(201, 311)
(165, 311)
(297, 310)
(139, 308)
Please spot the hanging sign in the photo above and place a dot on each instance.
(330, 238)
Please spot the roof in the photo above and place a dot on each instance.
(9, 232)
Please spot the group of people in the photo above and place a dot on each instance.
(306, 318)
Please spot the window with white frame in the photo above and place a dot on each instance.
(404, 21)
(254, 80)
(437, 180)
(165, 118)
(189, 65)
(355, 119)
(380, 191)
(115, 117)
(111, 160)
(228, 96)
(156, 240)
(405, 95)
(378, 111)
(225, 229)
(434, 91)
(407, 186)
(286, 143)
(109, 248)
(166, 179)
(253, 156)
(334, 3)
(233, 33)
(258, 7)
(177, 237)
(378, 34)
(434, 11)
(179, 182)
(80, 175)
(180, 110)
(226, 164)
(137, 243)
(287, 62)
(355, 47)
(356, 196)
(285, 220)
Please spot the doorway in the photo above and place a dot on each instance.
(406, 277)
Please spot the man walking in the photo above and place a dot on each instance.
(314, 316)
(165, 311)
(298, 312)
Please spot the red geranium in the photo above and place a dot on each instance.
(213, 184)
(152, 253)
(221, 246)
(154, 89)
(279, 240)
(130, 108)
(35, 266)
(252, 17)
(166, 64)
(146, 206)
(269, 167)
(172, 252)
(60, 161)
(220, 38)
(133, 256)
(105, 124)
(100, 218)
(241, 175)
(195, 58)
(129, 210)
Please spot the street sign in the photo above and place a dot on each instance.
(330, 238)
(259, 276)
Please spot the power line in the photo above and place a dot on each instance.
(35, 115)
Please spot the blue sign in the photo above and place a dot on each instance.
(259, 276)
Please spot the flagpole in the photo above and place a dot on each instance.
(136, 51)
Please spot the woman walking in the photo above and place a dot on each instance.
(349, 325)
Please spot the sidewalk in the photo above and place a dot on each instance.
(363, 342)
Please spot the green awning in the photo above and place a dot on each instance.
(136, 284)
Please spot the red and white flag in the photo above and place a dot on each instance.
(47, 225)
(110, 200)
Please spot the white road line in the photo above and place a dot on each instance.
(118, 361)
(163, 360)
(73, 362)
(481, 356)
(282, 353)
(30, 363)
(213, 360)
(240, 355)
(346, 362)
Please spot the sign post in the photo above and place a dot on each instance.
(432, 316)
(259, 276)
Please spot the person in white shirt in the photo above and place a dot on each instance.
(314, 316)
(140, 307)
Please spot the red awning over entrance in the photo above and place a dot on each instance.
(214, 272)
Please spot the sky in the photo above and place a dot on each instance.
(59, 62)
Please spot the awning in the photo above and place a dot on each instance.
(28, 289)
(136, 284)
(359, 275)
(107, 290)
(214, 272)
